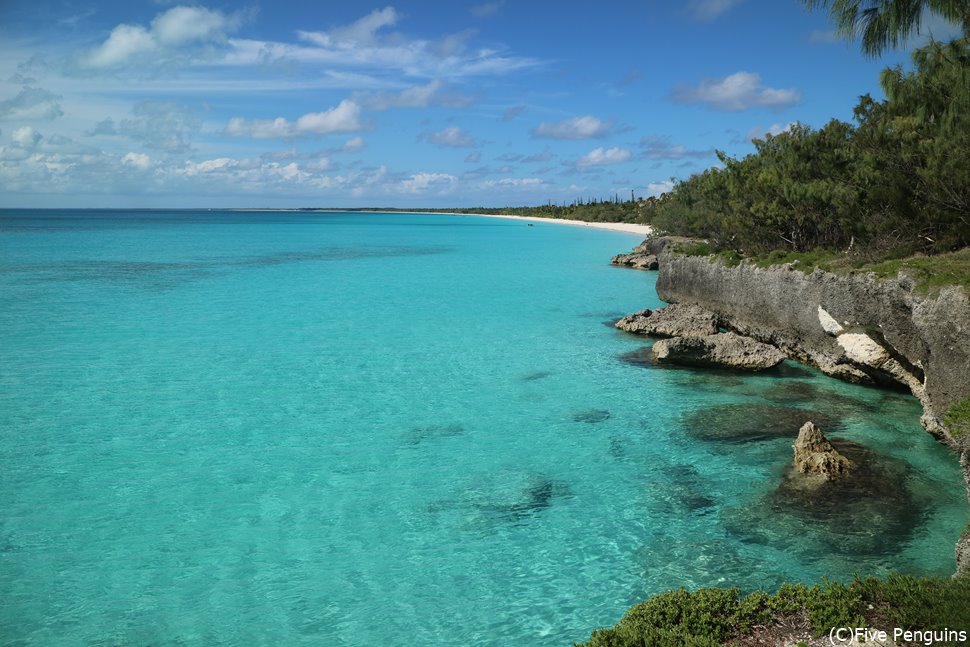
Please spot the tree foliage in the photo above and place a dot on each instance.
(896, 181)
(888, 23)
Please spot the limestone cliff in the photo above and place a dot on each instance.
(855, 327)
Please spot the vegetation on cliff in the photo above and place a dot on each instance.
(893, 184)
(712, 617)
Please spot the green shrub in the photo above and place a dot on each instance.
(709, 617)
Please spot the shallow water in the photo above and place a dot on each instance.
(291, 428)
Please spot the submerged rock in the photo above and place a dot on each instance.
(418, 435)
(741, 423)
(725, 350)
(871, 513)
(674, 320)
(639, 357)
(815, 455)
(503, 498)
(591, 416)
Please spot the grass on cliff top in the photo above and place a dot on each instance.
(715, 617)
(931, 273)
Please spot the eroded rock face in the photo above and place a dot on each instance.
(675, 320)
(816, 457)
(726, 350)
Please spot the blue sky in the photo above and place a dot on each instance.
(500, 103)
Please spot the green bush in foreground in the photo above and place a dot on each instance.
(709, 617)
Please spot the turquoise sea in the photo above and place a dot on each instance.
(287, 428)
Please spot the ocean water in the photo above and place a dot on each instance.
(362, 429)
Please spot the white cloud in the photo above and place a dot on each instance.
(32, 103)
(602, 157)
(368, 44)
(361, 33)
(587, 127)
(513, 182)
(656, 188)
(26, 137)
(343, 118)
(658, 147)
(774, 129)
(417, 96)
(138, 160)
(452, 136)
(486, 9)
(208, 166)
(426, 182)
(739, 91)
(169, 34)
(706, 10)
(353, 145)
(181, 25)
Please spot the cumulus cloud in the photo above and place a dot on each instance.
(739, 91)
(586, 127)
(473, 158)
(656, 188)
(428, 182)
(660, 148)
(343, 118)
(603, 157)
(169, 34)
(25, 137)
(32, 103)
(137, 160)
(452, 136)
(706, 10)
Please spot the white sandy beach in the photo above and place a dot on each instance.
(623, 227)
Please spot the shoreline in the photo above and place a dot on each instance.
(622, 227)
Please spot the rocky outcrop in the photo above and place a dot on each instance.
(675, 320)
(816, 457)
(726, 350)
(855, 327)
(637, 261)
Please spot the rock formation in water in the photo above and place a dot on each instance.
(725, 350)
(675, 320)
(815, 455)
(640, 258)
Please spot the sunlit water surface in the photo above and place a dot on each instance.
(365, 429)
